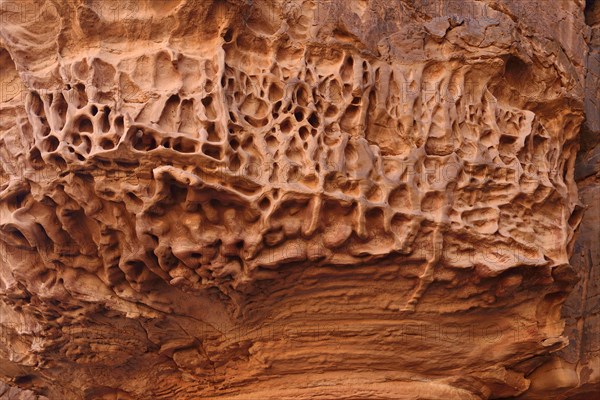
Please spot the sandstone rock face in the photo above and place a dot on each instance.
(582, 358)
(293, 199)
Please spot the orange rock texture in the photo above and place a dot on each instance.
(299, 199)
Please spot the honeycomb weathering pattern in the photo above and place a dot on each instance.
(283, 199)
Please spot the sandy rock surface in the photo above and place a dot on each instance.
(297, 199)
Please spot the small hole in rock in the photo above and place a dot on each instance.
(228, 37)
(313, 120)
(303, 132)
(75, 139)
(23, 379)
(85, 125)
(119, 125)
(107, 144)
(264, 203)
(51, 143)
(212, 151)
(299, 115)
(285, 126)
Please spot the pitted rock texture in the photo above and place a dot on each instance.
(287, 199)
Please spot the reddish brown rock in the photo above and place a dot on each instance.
(297, 199)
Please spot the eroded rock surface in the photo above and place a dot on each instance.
(288, 199)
